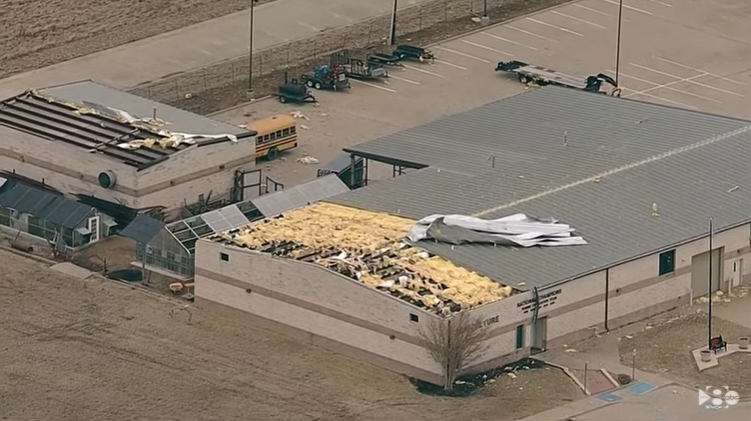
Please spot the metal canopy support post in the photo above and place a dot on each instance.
(352, 166)
(709, 294)
(392, 31)
(250, 49)
(618, 43)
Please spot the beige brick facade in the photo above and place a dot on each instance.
(345, 316)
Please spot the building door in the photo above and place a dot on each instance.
(539, 334)
(737, 273)
(700, 272)
(94, 228)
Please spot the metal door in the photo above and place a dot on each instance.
(540, 334)
(700, 272)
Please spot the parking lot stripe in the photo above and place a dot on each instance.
(667, 84)
(668, 87)
(417, 69)
(508, 40)
(592, 10)
(625, 6)
(664, 99)
(459, 53)
(553, 26)
(699, 70)
(403, 79)
(661, 3)
(374, 85)
(484, 47)
(659, 72)
(577, 19)
(309, 26)
(456, 66)
(530, 33)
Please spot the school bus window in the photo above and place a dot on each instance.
(293, 129)
(273, 136)
(278, 134)
(285, 132)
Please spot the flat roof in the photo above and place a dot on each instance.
(546, 136)
(367, 247)
(93, 116)
(697, 169)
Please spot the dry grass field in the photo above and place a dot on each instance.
(98, 350)
(38, 33)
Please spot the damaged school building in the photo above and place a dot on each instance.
(84, 138)
(623, 191)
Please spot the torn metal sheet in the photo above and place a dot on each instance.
(514, 230)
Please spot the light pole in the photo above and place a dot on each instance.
(618, 43)
(250, 49)
(485, 20)
(392, 32)
(709, 294)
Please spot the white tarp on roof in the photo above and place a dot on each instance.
(514, 230)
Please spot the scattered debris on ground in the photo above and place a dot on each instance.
(307, 160)
(665, 349)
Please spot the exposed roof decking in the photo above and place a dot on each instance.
(367, 246)
(83, 115)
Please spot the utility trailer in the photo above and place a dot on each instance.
(413, 52)
(294, 91)
(356, 68)
(327, 77)
(383, 59)
(541, 76)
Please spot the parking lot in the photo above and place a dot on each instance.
(687, 54)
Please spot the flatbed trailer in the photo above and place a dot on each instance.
(527, 73)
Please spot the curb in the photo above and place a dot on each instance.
(568, 373)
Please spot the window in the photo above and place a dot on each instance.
(520, 337)
(285, 132)
(293, 129)
(667, 262)
(224, 257)
(413, 318)
(273, 136)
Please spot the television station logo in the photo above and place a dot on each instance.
(717, 398)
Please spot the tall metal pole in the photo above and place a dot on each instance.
(250, 49)
(485, 8)
(392, 32)
(618, 43)
(709, 295)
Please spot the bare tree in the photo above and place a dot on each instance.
(454, 342)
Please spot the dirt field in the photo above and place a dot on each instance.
(80, 350)
(666, 348)
(38, 33)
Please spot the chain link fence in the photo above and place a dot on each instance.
(369, 33)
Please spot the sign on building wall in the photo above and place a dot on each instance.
(546, 300)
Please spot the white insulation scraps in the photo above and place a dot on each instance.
(514, 230)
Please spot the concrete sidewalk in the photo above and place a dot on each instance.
(202, 44)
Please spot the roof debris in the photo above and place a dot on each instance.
(514, 230)
(162, 137)
(366, 246)
(307, 160)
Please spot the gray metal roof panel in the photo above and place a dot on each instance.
(44, 205)
(181, 121)
(300, 195)
(527, 132)
(143, 229)
(615, 215)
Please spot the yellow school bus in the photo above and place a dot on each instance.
(275, 134)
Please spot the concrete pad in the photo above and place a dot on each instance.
(732, 349)
(72, 270)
